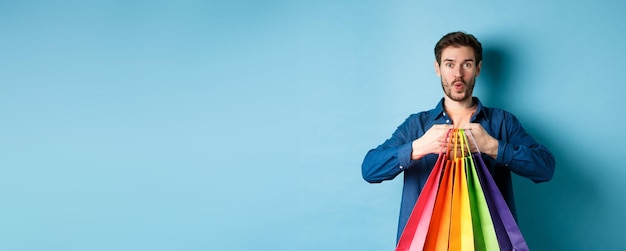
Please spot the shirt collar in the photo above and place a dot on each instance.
(439, 111)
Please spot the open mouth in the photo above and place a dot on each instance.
(458, 85)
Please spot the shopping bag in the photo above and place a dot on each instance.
(460, 207)
(461, 232)
(439, 229)
(451, 223)
(507, 231)
(482, 225)
(414, 233)
(442, 216)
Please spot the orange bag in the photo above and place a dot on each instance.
(461, 233)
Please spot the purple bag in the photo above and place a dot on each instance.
(507, 231)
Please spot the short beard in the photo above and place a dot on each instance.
(468, 93)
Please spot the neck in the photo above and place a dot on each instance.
(460, 112)
(465, 104)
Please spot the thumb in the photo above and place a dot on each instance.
(470, 126)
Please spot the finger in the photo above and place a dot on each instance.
(475, 126)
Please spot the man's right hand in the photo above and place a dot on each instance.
(431, 142)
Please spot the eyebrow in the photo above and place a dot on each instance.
(452, 60)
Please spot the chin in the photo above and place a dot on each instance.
(459, 98)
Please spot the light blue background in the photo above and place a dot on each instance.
(241, 125)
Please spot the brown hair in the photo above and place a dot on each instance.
(457, 39)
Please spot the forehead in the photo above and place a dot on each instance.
(458, 53)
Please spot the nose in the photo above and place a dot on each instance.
(458, 72)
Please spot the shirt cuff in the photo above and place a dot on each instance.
(505, 153)
(404, 155)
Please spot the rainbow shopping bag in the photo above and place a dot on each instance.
(460, 208)
(454, 231)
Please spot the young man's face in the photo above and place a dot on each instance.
(458, 71)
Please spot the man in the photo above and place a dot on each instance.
(414, 146)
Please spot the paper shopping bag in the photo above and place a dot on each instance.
(507, 231)
(460, 207)
(451, 223)
(439, 229)
(482, 225)
(414, 233)
(461, 232)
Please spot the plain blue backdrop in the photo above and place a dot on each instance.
(241, 125)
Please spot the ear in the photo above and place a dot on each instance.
(437, 70)
(478, 67)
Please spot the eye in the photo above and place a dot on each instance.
(449, 65)
(468, 65)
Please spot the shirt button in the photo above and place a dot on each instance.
(401, 167)
(447, 121)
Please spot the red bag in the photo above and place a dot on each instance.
(414, 233)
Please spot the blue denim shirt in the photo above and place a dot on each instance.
(517, 152)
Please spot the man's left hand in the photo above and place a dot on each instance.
(484, 141)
